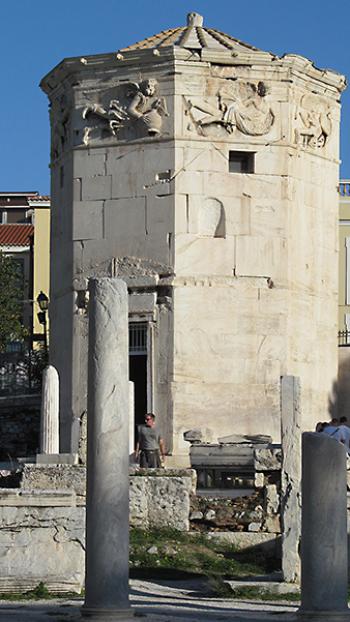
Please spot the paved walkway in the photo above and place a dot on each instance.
(158, 601)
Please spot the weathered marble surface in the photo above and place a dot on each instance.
(49, 425)
(107, 490)
(324, 554)
(254, 296)
(291, 477)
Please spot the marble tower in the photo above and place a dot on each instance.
(204, 172)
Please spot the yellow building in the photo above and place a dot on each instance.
(25, 236)
(41, 260)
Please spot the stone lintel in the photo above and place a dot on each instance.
(142, 303)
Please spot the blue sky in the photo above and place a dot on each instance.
(37, 34)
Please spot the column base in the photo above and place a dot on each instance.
(107, 615)
(314, 616)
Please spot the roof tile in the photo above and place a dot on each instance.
(15, 235)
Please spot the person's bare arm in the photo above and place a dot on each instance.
(162, 447)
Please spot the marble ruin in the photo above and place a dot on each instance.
(324, 550)
(202, 171)
(49, 428)
(107, 490)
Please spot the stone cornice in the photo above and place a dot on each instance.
(81, 67)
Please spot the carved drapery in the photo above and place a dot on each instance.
(135, 111)
(242, 107)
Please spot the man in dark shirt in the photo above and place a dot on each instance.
(149, 443)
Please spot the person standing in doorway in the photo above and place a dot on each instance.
(149, 444)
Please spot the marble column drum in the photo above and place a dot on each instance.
(324, 567)
(49, 423)
(107, 511)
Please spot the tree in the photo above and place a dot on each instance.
(11, 302)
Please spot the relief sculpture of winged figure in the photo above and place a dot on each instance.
(243, 107)
(138, 110)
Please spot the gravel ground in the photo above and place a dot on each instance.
(158, 601)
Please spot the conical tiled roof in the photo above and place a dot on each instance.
(194, 37)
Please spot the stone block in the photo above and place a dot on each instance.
(120, 160)
(88, 164)
(97, 188)
(272, 524)
(224, 184)
(260, 256)
(238, 214)
(204, 255)
(17, 498)
(130, 184)
(139, 503)
(54, 538)
(88, 220)
(54, 477)
(193, 436)
(160, 214)
(169, 504)
(159, 159)
(267, 459)
(57, 459)
(272, 500)
(125, 219)
(142, 303)
(189, 182)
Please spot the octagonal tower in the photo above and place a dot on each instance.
(203, 171)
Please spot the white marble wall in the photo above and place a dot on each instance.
(254, 291)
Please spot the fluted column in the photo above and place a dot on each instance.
(49, 423)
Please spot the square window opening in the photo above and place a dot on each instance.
(241, 162)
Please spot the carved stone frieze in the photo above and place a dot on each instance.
(134, 111)
(60, 122)
(238, 106)
(313, 122)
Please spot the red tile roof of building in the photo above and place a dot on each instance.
(40, 197)
(16, 235)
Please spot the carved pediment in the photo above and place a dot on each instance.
(128, 111)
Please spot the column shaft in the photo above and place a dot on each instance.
(49, 422)
(107, 520)
(324, 571)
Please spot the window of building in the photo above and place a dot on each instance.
(241, 162)
(16, 216)
(137, 338)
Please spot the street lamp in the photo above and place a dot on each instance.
(43, 303)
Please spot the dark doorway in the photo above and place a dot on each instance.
(138, 375)
(138, 368)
